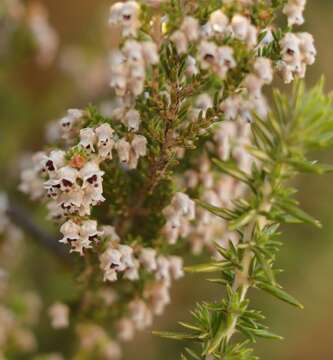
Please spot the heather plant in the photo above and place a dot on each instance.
(190, 157)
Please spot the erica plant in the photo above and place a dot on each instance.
(190, 157)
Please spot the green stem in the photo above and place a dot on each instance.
(242, 282)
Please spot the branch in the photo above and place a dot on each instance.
(21, 217)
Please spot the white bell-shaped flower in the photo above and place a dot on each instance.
(139, 145)
(207, 54)
(127, 16)
(191, 66)
(148, 259)
(88, 139)
(132, 273)
(230, 107)
(163, 269)
(252, 37)
(223, 136)
(68, 122)
(190, 28)
(150, 52)
(182, 203)
(307, 47)
(123, 149)
(176, 267)
(105, 141)
(218, 22)
(53, 162)
(71, 201)
(225, 60)
(80, 245)
(180, 41)
(240, 26)
(133, 53)
(125, 329)
(253, 85)
(91, 175)
(294, 11)
(70, 231)
(290, 46)
(132, 120)
(263, 69)
(53, 188)
(285, 71)
(110, 233)
(67, 176)
(89, 230)
(110, 260)
(127, 259)
(140, 314)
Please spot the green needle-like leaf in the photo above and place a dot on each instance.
(280, 294)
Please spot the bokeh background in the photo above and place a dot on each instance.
(32, 95)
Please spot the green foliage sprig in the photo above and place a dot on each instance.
(296, 126)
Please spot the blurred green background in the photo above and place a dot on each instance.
(31, 96)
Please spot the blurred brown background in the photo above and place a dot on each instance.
(30, 96)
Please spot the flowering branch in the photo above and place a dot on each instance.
(188, 79)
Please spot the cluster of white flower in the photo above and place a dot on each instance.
(117, 258)
(229, 140)
(45, 36)
(156, 293)
(34, 18)
(130, 63)
(123, 260)
(130, 152)
(95, 342)
(297, 52)
(128, 66)
(15, 328)
(232, 136)
(74, 191)
(31, 180)
(73, 186)
(294, 11)
(188, 32)
(217, 190)
(80, 236)
(178, 214)
(11, 331)
(297, 49)
(104, 138)
(220, 59)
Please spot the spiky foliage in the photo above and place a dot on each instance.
(298, 125)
